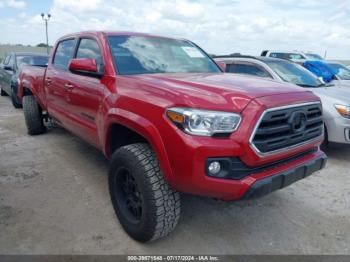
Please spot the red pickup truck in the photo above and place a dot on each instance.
(171, 121)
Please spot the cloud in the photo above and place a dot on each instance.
(77, 5)
(219, 26)
(13, 3)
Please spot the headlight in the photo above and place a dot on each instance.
(343, 110)
(204, 122)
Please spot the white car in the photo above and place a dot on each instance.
(295, 56)
(335, 100)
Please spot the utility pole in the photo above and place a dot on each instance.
(46, 18)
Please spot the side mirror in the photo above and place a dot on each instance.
(222, 65)
(85, 66)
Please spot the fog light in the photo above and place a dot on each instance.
(214, 168)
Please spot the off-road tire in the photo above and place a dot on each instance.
(2, 92)
(33, 116)
(160, 204)
(15, 99)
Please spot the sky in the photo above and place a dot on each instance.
(218, 26)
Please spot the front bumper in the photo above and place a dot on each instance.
(338, 130)
(267, 185)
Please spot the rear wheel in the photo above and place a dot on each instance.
(15, 100)
(33, 116)
(145, 204)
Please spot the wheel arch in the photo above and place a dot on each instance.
(122, 124)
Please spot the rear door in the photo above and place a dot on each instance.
(57, 80)
(86, 93)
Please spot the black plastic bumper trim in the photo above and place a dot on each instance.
(267, 185)
(234, 168)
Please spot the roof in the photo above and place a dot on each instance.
(96, 33)
(260, 58)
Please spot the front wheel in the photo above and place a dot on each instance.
(145, 204)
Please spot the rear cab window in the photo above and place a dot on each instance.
(64, 53)
(248, 69)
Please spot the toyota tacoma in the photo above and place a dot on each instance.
(170, 121)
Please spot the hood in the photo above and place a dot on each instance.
(332, 92)
(238, 90)
(341, 83)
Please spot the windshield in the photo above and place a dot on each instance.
(294, 73)
(314, 56)
(341, 71)
(150, 55)
(32, 60)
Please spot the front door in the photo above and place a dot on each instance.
(84, 97)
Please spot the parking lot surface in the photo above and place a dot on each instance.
(54, 200)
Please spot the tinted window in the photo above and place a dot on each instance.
(149, 55)
(33, 60)
(88, 48)
(248, 70)
(64, 53)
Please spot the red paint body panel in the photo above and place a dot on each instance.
(88, 107)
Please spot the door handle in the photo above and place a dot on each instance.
(68, 86)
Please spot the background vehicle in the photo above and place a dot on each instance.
(294, 56)
(9, 72)
(331, 72)
(171, 121)
(312, 56)
(335, 101)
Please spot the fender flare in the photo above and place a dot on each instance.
(144, 128)
(25, 84)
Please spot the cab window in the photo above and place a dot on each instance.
(64, 54)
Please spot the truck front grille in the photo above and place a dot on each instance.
(287, 127)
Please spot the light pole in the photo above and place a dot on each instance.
(46, 18)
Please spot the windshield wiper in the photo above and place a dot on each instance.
(305, 85)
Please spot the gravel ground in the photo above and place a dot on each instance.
(54, 200)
